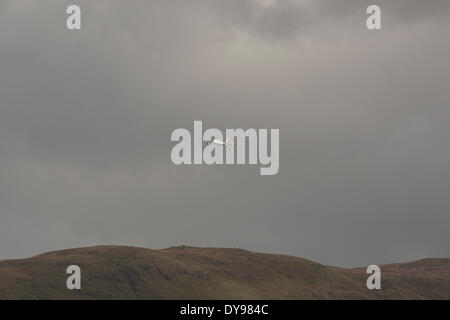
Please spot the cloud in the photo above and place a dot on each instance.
(86, 118)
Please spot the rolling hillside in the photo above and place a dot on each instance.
(111, 272)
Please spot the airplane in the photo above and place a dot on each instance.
(220, 142)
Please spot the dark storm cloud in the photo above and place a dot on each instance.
(86, 118)
(279, 20)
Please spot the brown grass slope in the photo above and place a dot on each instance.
(112, 272)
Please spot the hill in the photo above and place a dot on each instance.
(113, 272)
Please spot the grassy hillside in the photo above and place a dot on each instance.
(110, 272)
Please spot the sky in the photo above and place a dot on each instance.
(86, 119)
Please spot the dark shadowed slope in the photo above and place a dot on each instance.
(110, 272)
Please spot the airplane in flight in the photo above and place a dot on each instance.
(220, 142)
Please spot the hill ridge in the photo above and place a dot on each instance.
(185, 272)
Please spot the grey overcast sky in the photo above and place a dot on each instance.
(364, 118)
